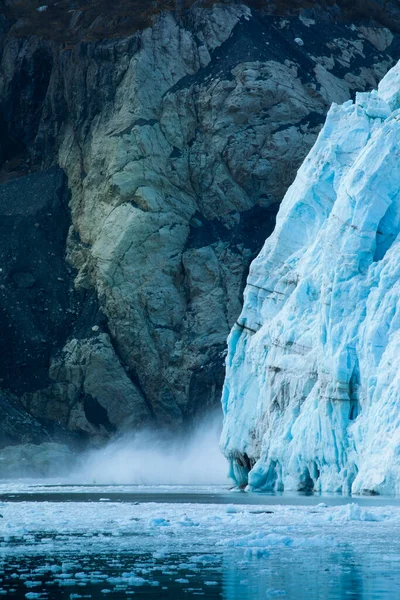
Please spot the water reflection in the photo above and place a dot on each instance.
(69, 549)
(287, 573)
(312, 575)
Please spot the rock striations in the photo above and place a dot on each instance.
(141, 175)
(311, 397)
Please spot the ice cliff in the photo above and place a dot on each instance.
(312, 391)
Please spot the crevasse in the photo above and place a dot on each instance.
(312, 391)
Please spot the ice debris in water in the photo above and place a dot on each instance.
(312, 391)
(146, 558)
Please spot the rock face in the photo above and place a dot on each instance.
(312, 391)
(35, 460)
(174, 146)
(36, 299)
(17, 426)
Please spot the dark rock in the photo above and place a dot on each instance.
(36, 293)
(16, 426)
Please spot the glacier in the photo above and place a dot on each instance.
(311, 397)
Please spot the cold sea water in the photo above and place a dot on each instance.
(181, 542)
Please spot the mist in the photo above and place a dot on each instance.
(145, 458)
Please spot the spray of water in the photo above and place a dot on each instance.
(146, 459)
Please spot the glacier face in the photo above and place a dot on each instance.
(312, 391)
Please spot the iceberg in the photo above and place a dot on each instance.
(311, 397)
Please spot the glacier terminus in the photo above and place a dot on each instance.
(312, 391)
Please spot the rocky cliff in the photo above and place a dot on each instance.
(142, 165)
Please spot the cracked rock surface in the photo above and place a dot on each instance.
(173, 147)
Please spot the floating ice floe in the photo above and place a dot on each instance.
(223, 547)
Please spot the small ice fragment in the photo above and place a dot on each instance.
(299, 41)
(32, 584)
(187, 522)
(158, 522)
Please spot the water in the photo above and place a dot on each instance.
(175, 542)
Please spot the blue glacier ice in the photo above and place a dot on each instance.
(312, 391)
